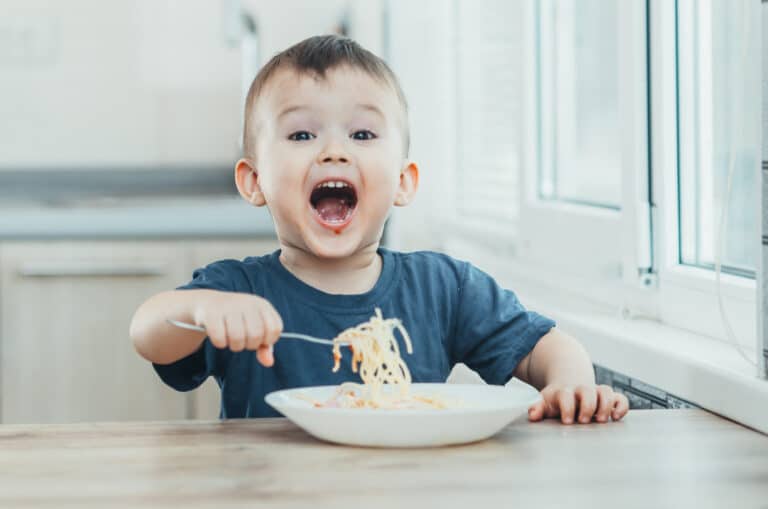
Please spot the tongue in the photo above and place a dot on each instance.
(332, 210)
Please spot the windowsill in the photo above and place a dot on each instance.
(697, 368)
(705, 371)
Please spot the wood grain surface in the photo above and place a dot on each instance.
(655, 458)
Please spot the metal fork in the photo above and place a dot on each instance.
(287, 335)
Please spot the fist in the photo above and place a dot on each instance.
(240, 321)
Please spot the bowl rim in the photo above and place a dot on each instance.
(277, 399)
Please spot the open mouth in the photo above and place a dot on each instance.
(334, 201)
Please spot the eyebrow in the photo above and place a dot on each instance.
(291, 109)
(299, 107)
(372, 108)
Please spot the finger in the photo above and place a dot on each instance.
(587, 398)
(566, 402)
(551, 408)
(235, 332)
(217, 332)
(265, 356)
(273, 325)
(620, 406)
(254, 330)
(536, 411)
(606, 398)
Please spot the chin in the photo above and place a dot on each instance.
(334, 248)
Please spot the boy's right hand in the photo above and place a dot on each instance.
(240, 321)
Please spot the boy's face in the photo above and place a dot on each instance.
(329, 160)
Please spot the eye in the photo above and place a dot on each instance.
(301, 136)
(363, 135)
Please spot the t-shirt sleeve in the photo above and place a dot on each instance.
(493, 331)
(191, 371)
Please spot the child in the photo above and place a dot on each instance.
(325, 148)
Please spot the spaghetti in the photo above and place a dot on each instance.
(376, 356)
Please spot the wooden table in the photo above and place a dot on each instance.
(655, 458)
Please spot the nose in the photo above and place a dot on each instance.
(333, 152)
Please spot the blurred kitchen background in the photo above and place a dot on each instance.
(599, 157)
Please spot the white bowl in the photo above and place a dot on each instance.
(485, 410)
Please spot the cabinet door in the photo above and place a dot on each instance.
(206, 400)
(65, 309)
(177, 74)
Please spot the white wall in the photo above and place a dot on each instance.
(123, 82)
(283, 23)
(94, 84)
(421, 52)
(466, 117)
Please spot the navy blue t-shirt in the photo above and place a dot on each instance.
(452, 311)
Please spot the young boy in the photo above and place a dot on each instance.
(325, 148)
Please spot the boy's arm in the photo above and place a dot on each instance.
(561, 369)
(158, 341)
(237, 321)
(557, 357)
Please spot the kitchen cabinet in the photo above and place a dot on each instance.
(171, 70)
(65, 308)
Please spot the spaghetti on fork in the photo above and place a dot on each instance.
(376, 356)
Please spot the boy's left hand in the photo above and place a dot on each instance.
(581, 404)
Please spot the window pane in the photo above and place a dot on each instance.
(580, 152)
(715, 132)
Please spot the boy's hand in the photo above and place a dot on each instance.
(240, 321)
(579, 404)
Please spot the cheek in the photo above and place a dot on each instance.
(283, 191)
(281, 172)
(385, 162)
(384, 186)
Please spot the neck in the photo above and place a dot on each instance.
(351, 275)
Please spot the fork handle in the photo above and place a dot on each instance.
(289, 335)
(311, 339)
(185, 325)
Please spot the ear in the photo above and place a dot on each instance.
(247, 181)
(409, 183)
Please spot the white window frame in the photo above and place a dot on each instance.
(687, 294)
(559, 238)
(554, 244)
(555, 239)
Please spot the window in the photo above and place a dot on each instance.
(678, 105)
(584, 131)
(715, 115)
(632, 114)
(705, 87)
(579, 119)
